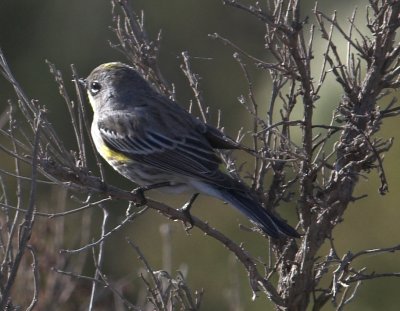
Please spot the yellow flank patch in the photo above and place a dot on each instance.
(111, 155)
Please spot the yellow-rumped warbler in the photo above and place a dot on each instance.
(150, 139)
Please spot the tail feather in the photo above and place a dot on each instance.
(248, 205)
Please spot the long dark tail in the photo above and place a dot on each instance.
(249, 206)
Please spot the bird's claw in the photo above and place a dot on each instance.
(185, 210)
(141, 199)
(139, 192)
(188, 218)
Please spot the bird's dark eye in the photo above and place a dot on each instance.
(95, 87)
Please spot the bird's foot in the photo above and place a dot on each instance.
(188, 222)
(185, 210)
(139, 192)
(140, 200)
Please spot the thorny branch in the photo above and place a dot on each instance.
(355, 151)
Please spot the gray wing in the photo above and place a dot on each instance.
(173, 148)
(218, 139)
(214, 136)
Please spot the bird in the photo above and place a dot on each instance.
(152, 140)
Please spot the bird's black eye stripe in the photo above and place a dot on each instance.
(94, 87)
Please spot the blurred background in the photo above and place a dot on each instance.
(78, 32)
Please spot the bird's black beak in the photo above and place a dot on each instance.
(83, 82)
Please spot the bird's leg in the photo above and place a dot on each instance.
(185, 209)
(139, 191)
(155, 186)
